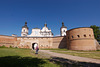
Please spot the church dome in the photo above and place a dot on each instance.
(25, 26)
(63, 25)
(45, 28)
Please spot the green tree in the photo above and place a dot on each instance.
(96, 30)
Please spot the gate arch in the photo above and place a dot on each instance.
(34, 45)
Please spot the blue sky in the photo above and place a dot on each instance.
(74, 13)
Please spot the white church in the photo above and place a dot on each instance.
(44, 32)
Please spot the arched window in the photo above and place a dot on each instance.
(64, 31)
(24, 30)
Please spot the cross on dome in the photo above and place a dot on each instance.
(45, 24)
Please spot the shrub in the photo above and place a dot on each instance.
(16, 47)
(11, 46)
(2, 46)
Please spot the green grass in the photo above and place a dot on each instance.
(88, 54)
(15, 57)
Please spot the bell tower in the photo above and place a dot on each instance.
(24, 30)
(63, 30)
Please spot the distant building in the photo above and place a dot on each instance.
(45, 32)
(37, 32)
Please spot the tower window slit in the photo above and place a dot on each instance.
(84, 35)
(72, 37)
(89, 35)
(78, 36)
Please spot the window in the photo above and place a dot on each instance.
(78, 36)
(24, 30)
(64, 31)
(72, 37)
(89, 35)
(84, 35)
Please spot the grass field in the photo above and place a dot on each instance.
(89, 54)
(14, 57)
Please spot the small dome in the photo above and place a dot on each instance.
(63, 25)
(45, 29)
(25, 26)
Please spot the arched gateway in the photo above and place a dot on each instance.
(34, 45)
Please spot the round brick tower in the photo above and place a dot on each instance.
(80, 39)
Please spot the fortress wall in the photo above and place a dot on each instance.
(59, 42)
(7, 41)
(25, 42)
(76, 39)
(80, 39)
(43, 42)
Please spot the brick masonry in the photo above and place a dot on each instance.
(76, 39)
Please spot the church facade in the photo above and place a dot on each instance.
(36, 32)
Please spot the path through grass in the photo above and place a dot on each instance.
(89, 54)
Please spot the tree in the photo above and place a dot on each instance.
(96, 30)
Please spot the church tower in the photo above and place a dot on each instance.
(24, 30)
(63, 30)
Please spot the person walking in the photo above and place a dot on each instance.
(37, 48)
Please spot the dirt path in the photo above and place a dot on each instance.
(70, 57)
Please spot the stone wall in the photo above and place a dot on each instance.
(8, 41)
(59, 42)
(43, 42)
(26, 42)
